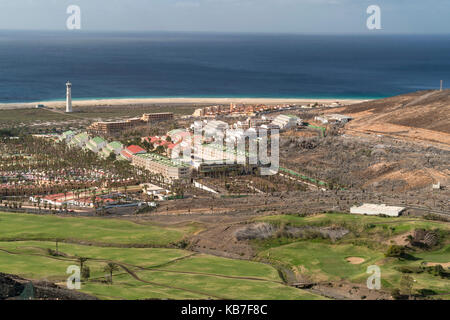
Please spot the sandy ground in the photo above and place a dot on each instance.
(445, 265)
(441, 139)
(400, 240)
(355, 260)
(120, 102)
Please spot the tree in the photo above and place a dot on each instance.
(395, 251)
(410, 239)
(86, 273)
(110, 268)
(112, 157)
(159, 149)
(82, 260)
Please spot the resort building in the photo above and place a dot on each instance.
(179, 135)
(218, 153)
(80, 140)
(155, 117)
(377, 209)
(156, 142)
(256, 122)
(211, 167)
(199, 112)
(67, 136)
(87, 202)
(112, 147)
(215, 128)
(169, 169)
(115, 127)
(130, 151)
(96, 144)
(112, 128)
(333, 118)
(286, 122)
(197, 125)
(155, 191)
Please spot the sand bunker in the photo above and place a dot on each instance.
(444, 264)
(355, 260)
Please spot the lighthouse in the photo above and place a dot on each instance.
(69, 97)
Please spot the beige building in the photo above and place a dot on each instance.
(114, 127)
(157, 164)
(109, 128)
(154, 117)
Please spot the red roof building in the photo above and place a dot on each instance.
(130, 151)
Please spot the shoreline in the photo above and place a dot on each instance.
(149, 101)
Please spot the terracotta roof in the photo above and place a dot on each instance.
(125, 154)
(133, 149)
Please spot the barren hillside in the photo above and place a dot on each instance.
(422, 116)
(423, 109)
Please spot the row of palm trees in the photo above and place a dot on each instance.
(55, 160)
(109, 269)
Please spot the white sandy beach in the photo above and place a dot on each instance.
(150, 101)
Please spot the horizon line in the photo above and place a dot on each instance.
(362, 33)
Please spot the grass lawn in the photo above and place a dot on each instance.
(195, 277)
(125, 287)
(323, 261)
(39, 266)
(16, 226)
(225, 288)
(442, 255)
(178, 274)
(143, 257)
(222, 266)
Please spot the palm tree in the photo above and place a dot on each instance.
(82, 260)
(110, 268)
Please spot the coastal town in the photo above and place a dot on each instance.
(158, 167)
(127, 170)
(237, 178)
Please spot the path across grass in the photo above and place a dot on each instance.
(150, 272)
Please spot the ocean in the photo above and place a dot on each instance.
(34, 66)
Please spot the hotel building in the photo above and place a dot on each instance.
(171, 170)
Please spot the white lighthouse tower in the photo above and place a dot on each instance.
(69, 97)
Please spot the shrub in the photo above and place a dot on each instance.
(182, 244)
(407, 269)
(52, 252)
(369, 226)
(426, 292)
(438, 271)
(395, 251)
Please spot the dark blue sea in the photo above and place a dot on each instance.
(34, 66)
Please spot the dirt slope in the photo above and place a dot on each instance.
(423, 109)
(420, 117)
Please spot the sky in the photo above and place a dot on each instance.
(265, 16)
